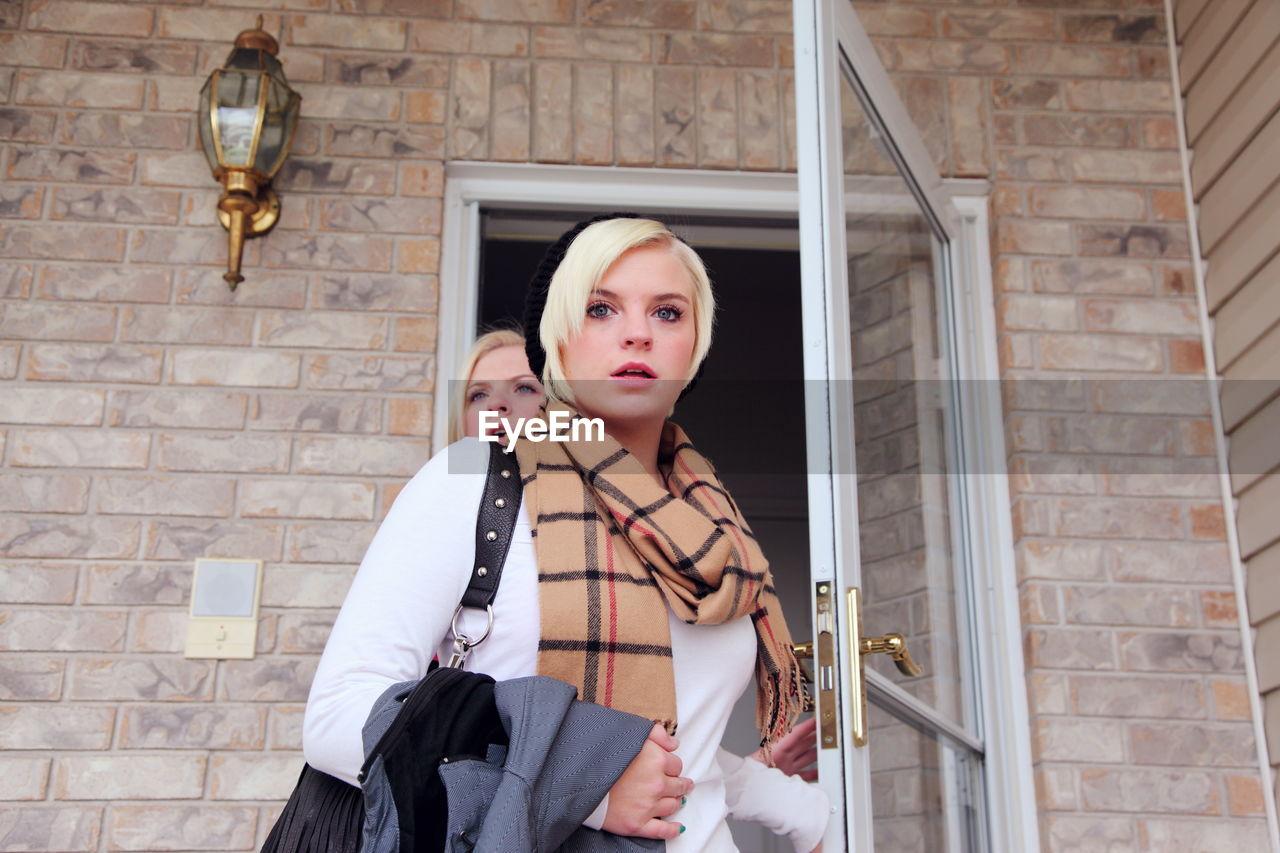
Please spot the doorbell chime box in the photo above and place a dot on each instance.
(223, 620)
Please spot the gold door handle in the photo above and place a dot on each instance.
(893, 645)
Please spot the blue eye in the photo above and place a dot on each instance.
(598, 310)
(669, 313)
(526, 388)
(476, 395)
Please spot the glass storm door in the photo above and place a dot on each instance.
(901, 737)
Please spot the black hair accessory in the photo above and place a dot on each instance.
(536, 297)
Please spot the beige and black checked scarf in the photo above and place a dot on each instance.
(615, 550)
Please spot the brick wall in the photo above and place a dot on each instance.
(150, 417)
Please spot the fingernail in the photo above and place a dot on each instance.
(684, 800)
(682, 829)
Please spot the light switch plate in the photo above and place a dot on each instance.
(222, 622)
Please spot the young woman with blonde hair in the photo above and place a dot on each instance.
(631, 575)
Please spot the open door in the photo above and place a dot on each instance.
(901, 730)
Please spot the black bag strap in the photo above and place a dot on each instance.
(495, 523)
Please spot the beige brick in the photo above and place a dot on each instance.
(939, 55)
(44, 493)
(335, 102)
(552, 112)
(415, 334)
(231, 452)
(1112, 434)
(1078, 834)
(9, 354)
(1149, 791)
(1128, 96)
(176, 246)
(125, 130)
(758, 120)
(69, 537)
(270, 289)
(1034, 164)
(257, 777)
(328, 543)
(470, 99)
(297, 499)
(1180, 651)
(1185, 836)
(1141, 316)
(1073, 60)
(329, 330)
(1018, 24)
(418, 256)
(62, 630)
(1244, 795)
(283, 680)
(15, 280)
(1064, 560)
(158, 631)
(512, 108)
(38, 583)
(375, 293)
(306, 586)
(1085, 276)
(346, 31)
(1101, 353)
(717, 118)
(329, 252)
(286, 727)
(187, 325)
(1107, 605)
(1061, 648)
(409, 416)
(674, 98)
(128, 57)
(1045, 313)
(186, 540)
(152, 495)
(134, 206)
(1056, 789)
(599, 43)
(1230, 699)
(99, 19)
(187, 169)
(351, 455)
(746, 51)
(29, 50)
(181, 828)
(59, 727)
(90, 363)
(1022, 93)
(187, 408)
(1128, 696)
(364, 177)
(21, 202)
(304, 633)
(150, 678)
(74, 89)
(214, 25)
(23, 778)
(132, 777)
(374, 140)
(136, 584)
(27, 677)
(57, 322)
(193, 727)
(1086, 203)
(79, 448)
(1127, 167)
(1033, 238)
(1133, 241)
(336, 413)
(1078, 741)
(370, 373)
(878, 19)
(244, 368)
(62, 828)
(459, 37)
(380, 69)
(1195, 744)
(422, 179)
(103, 284)
(526, 11)
(1163, 562)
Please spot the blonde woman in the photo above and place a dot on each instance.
(496, 377)
(631, 574)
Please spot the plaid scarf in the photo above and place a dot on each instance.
(615, 550)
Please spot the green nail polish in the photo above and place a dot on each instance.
(682, 828)
(684, 800)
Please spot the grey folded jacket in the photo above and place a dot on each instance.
(534, 794)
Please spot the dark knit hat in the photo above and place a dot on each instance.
(536, 299)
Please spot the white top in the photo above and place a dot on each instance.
(398, 614)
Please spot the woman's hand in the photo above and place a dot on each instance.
(796, 752)
(648, 790)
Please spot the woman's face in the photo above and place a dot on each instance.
(631, 359)
(502, 382)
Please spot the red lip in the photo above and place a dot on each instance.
(621, 372)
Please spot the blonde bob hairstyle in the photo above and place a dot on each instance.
(485, 344)
(585, 262)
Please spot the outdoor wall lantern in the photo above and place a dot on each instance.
(247, 116)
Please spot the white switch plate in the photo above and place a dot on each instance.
(222, 622)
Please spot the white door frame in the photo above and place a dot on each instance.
(471, 186)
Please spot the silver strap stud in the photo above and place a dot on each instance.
(482, 571)
(500, 503)
(506, 474)
(491, 535)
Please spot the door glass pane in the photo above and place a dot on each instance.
(923, 790)
(899, 360)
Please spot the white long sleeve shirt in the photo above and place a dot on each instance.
(398, 615)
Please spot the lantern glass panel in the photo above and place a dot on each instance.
(237, 115)
(279, 118)
(204, 120)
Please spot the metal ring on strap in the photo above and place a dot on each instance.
(463, 638)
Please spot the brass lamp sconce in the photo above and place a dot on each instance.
(247, 117)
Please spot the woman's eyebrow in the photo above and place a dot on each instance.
(609, 294)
